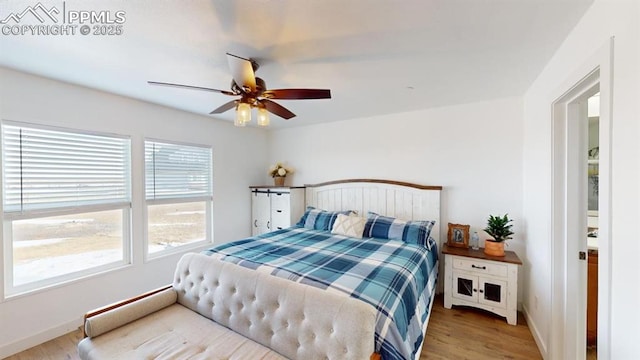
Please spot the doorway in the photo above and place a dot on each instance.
(592, 176)
(570, 204)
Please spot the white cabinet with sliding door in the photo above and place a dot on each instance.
(275, 208)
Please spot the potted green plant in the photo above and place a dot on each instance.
(499, 227)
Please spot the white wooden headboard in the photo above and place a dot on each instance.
(389, 198)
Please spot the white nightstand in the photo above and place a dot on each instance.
(472, 278)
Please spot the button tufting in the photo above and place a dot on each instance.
(331, 330)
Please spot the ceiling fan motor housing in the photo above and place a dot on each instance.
(261, 86)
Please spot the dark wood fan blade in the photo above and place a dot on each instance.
(242, 72)
(277, 109)
(294, 94)
(228, 106)
(190, 87)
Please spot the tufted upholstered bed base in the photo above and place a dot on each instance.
(218, 310)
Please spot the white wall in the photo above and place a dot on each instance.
(474, 151)
(605, 18)
(239, 161)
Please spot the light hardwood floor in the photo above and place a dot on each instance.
(468, 333)
(460, 333)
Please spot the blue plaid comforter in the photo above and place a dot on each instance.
(396, 278)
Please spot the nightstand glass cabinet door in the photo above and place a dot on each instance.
(493, 292)
(480, 289)
(465, 287)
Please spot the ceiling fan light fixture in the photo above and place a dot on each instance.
(243, 114)
(263, 117)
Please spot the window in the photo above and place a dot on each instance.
(66, 203)
(178, 191)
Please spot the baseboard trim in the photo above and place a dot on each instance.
(39, 338)
(535, 333)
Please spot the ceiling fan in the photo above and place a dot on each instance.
(254, 94)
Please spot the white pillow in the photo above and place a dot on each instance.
(352, 226)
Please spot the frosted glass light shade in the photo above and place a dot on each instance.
(243, 114)
(263, 117)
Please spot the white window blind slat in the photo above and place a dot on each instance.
(177, 171)
(47, 169)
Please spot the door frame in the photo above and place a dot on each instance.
(568, 297)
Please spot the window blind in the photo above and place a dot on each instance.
(177, 171)
(51, 169)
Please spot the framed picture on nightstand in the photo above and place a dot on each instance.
(458, 235)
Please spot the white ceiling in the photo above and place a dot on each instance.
(376, 56)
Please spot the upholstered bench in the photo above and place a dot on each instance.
(219, 310)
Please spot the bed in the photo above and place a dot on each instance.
(397, 277)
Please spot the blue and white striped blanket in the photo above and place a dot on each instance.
(396, 278)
